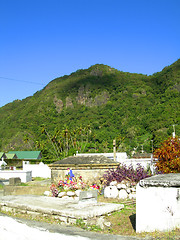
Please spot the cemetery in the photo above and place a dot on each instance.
(77, 184)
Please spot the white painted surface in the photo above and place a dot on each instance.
(11, 229)
(2, 163)
(38, 170)
(145, 162)
(157, 208)
(119, 156)
(25, 176)
(123, 159)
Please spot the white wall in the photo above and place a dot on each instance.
(38, 170)
(157, 208)
(25, 176)
(123, 158)
(145, 162)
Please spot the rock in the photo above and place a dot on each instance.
(66, 197)
(133, 189)
(123, 194)
(70, 194)
(107, 224)
(128, 190)
(113, 183)
(111, 192)
(100, 222)
(132, 196)
(61, 194)
(47, 193)
(121, 186)
(77, 192)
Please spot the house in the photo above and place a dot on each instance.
(11, 156)
(2, 155)
(27, 155)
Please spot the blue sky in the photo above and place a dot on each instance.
(44, 39)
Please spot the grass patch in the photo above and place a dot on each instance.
(124, 222)
(38, 179)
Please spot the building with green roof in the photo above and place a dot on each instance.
(2, 155)
(27, 155)
(11, 156)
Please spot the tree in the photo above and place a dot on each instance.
(168, 156)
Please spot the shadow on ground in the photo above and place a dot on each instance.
(133, 221)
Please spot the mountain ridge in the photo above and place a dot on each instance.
(130, 106)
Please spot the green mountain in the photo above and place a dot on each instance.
(86, 110)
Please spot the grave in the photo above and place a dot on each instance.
(88, 197)
(158, 203)
(66, 210)
(14, 181)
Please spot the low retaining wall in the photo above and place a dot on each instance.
(25, 190)
(25, 176)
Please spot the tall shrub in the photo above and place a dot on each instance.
(168, 156)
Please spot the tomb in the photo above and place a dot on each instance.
(91, 168)
(158, 203)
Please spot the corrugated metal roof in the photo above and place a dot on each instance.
(27, 154)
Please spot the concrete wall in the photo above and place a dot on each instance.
(157, 208)
(38, 170)
(145, 162)
(123, 158)
(25, 176)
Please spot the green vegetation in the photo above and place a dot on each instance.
(86, 110)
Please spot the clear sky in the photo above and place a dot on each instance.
(44, 39)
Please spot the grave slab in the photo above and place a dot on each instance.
(69, 208)
(158, 203)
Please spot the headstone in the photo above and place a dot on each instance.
(88, 197)
(14, 181)
(158, 203)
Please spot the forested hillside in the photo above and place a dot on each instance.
(86, 110)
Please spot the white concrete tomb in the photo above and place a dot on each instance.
(158, 203)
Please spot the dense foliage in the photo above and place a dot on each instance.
(125, 173)
(168, 156)
(86, 110)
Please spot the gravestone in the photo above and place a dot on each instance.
(14, 181)
(158, 203)
(88, 197)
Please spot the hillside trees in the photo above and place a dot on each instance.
(137, 107)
